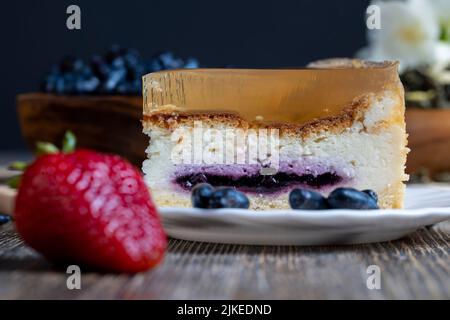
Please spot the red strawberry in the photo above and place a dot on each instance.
(89, 208)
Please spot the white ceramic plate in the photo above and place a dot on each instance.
(424, 205)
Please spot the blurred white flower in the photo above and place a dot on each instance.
(409, 33)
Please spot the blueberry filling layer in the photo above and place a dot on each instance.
(255, 182)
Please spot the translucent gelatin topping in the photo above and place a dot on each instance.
(281, 96)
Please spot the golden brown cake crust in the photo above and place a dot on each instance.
(169, 118)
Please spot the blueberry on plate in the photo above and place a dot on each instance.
(4, 218)
(371, 193)
(349, 198)
(228, 198)
(201, 195)
(307, 200)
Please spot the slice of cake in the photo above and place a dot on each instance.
(268, 131)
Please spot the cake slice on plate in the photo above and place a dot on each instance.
(338, 123)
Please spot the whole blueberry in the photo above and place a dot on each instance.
(115, 77)
(191, 63)
(201, 194)
(169, 61)
(100, 67)
(371, 193)
(114, 52)
(69, 64)
(132, 57)
(118, 63)
(49, 83)
(307, 200)
(349, 198)
(69, 83)
(228, 198)
(87, 84)
(154, 65)
(164, 60)
(59, 85)
(4, 218)
(135, 72)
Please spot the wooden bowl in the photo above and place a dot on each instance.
(429, 140)
(112, 124)
(105, 123)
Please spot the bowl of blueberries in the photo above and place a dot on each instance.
(99, 99)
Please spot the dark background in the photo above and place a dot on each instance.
(241, 33)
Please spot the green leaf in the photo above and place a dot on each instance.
(69, 142)
(18, 165)
(445, 33)
(45, 148)
(14, 182)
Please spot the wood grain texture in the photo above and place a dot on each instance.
(417, 267)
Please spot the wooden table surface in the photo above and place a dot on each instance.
(417, 266)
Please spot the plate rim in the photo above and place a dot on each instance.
(313, 214)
